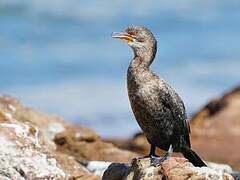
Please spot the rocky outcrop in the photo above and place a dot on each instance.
(25, 151)
(34, 145)
(216, 129)
(173, 169)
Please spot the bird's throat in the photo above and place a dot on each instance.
(139, 63)
(143, 57)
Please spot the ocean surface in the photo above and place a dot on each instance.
(58, 56)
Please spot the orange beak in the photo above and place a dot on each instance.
(123, 36)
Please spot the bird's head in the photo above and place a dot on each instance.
(140, 39)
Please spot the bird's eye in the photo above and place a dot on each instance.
(132, 33)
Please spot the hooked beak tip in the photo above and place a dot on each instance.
(116, 34)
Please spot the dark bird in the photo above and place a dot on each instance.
(158, 109)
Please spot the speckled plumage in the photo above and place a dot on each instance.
(158, 109)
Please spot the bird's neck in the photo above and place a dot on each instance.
(137, 74)
(138, 63)
(137, 68)
(143, 59)
(143, 56)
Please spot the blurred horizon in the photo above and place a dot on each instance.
(58, 56)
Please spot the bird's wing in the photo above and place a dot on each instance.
(173, 102)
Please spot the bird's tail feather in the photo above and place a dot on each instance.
(192, 157)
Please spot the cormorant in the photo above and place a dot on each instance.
(158, 109)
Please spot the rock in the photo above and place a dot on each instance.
(138, 143)
(216, 129)
(91, 150)
(35, 145)
(24, 154)
(236, 175)
(65, 137)
(96, 167)
(174, 168)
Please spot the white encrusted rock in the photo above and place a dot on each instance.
(26, 162)
(53, 129)
(174, 168)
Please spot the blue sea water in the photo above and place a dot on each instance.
(58, 56)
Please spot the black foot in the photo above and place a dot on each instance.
(157, 161)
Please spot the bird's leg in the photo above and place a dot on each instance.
(151, 154)
(152, 151)
(158, 161)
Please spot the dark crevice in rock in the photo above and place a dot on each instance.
(21, 172)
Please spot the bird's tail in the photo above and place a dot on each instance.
(192, 157)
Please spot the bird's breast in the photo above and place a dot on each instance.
(144, 96)
(144, 99)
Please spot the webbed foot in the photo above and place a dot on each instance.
(157, 161)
